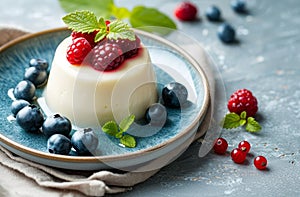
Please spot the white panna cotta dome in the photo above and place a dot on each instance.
(90, 98)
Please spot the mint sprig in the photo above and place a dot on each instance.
(82, 21)
(252, 125)
(87, 22)
(119, 29)
(139, 16)
(119, 131)
(233, 120)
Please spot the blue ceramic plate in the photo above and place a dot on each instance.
(171, 63)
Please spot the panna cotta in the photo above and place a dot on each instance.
(90, 97)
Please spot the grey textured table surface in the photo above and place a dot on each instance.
(266, 61)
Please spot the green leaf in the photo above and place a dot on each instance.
(140, 16)
(100, 35)
(126, 122)
(99, 7)
(120, 29)
(102, 23)
(252, 125)
(102, 32)
(242, 122)
(82, 21)
(143, 16)
(120, 12)
(231, 120)
(128, 141)
(119, 135)
(111, 128)
(243, 115)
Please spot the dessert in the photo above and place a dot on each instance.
(90, 94)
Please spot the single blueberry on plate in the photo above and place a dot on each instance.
(174, 95)
(17, 105)
(156, 115)
(226, 33)
(41, 64)
(85, 141)
(30, 118)
(57, 124)
(239, 6)
(37, 76)
(59, 144)
(213, 13)
(24, 90)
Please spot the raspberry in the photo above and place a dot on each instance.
(90, 37)
(243, 100)
(78, 50)
(128, 47)
(186, 11)
(106, 57)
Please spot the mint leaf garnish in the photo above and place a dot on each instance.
(117, 131)
(87, 22)
(252, 125)
(111, 128)
(119, 134)
(119, 29)
(231, 120)
(126, 122)
(243, 122)
(82, 21)
(243, 115)
(139, 16)
(128, 141)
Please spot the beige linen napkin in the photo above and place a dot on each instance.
(20, 177)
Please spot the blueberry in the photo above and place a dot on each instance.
(174, 95)
(213, 13)
(226, 33)
(238, 6)
(30, 118)
(25, 90)
(17, 105)
(36, 76)
(156, 115)
(85, 141)
(57, 124)
(59, 144)
(39, 64)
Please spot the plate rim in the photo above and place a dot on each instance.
(129, 155)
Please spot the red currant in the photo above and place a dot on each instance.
(220, 146)
(238, 156)
(244, 146)
(260, 162)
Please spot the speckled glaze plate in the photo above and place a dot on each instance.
(171, 63)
